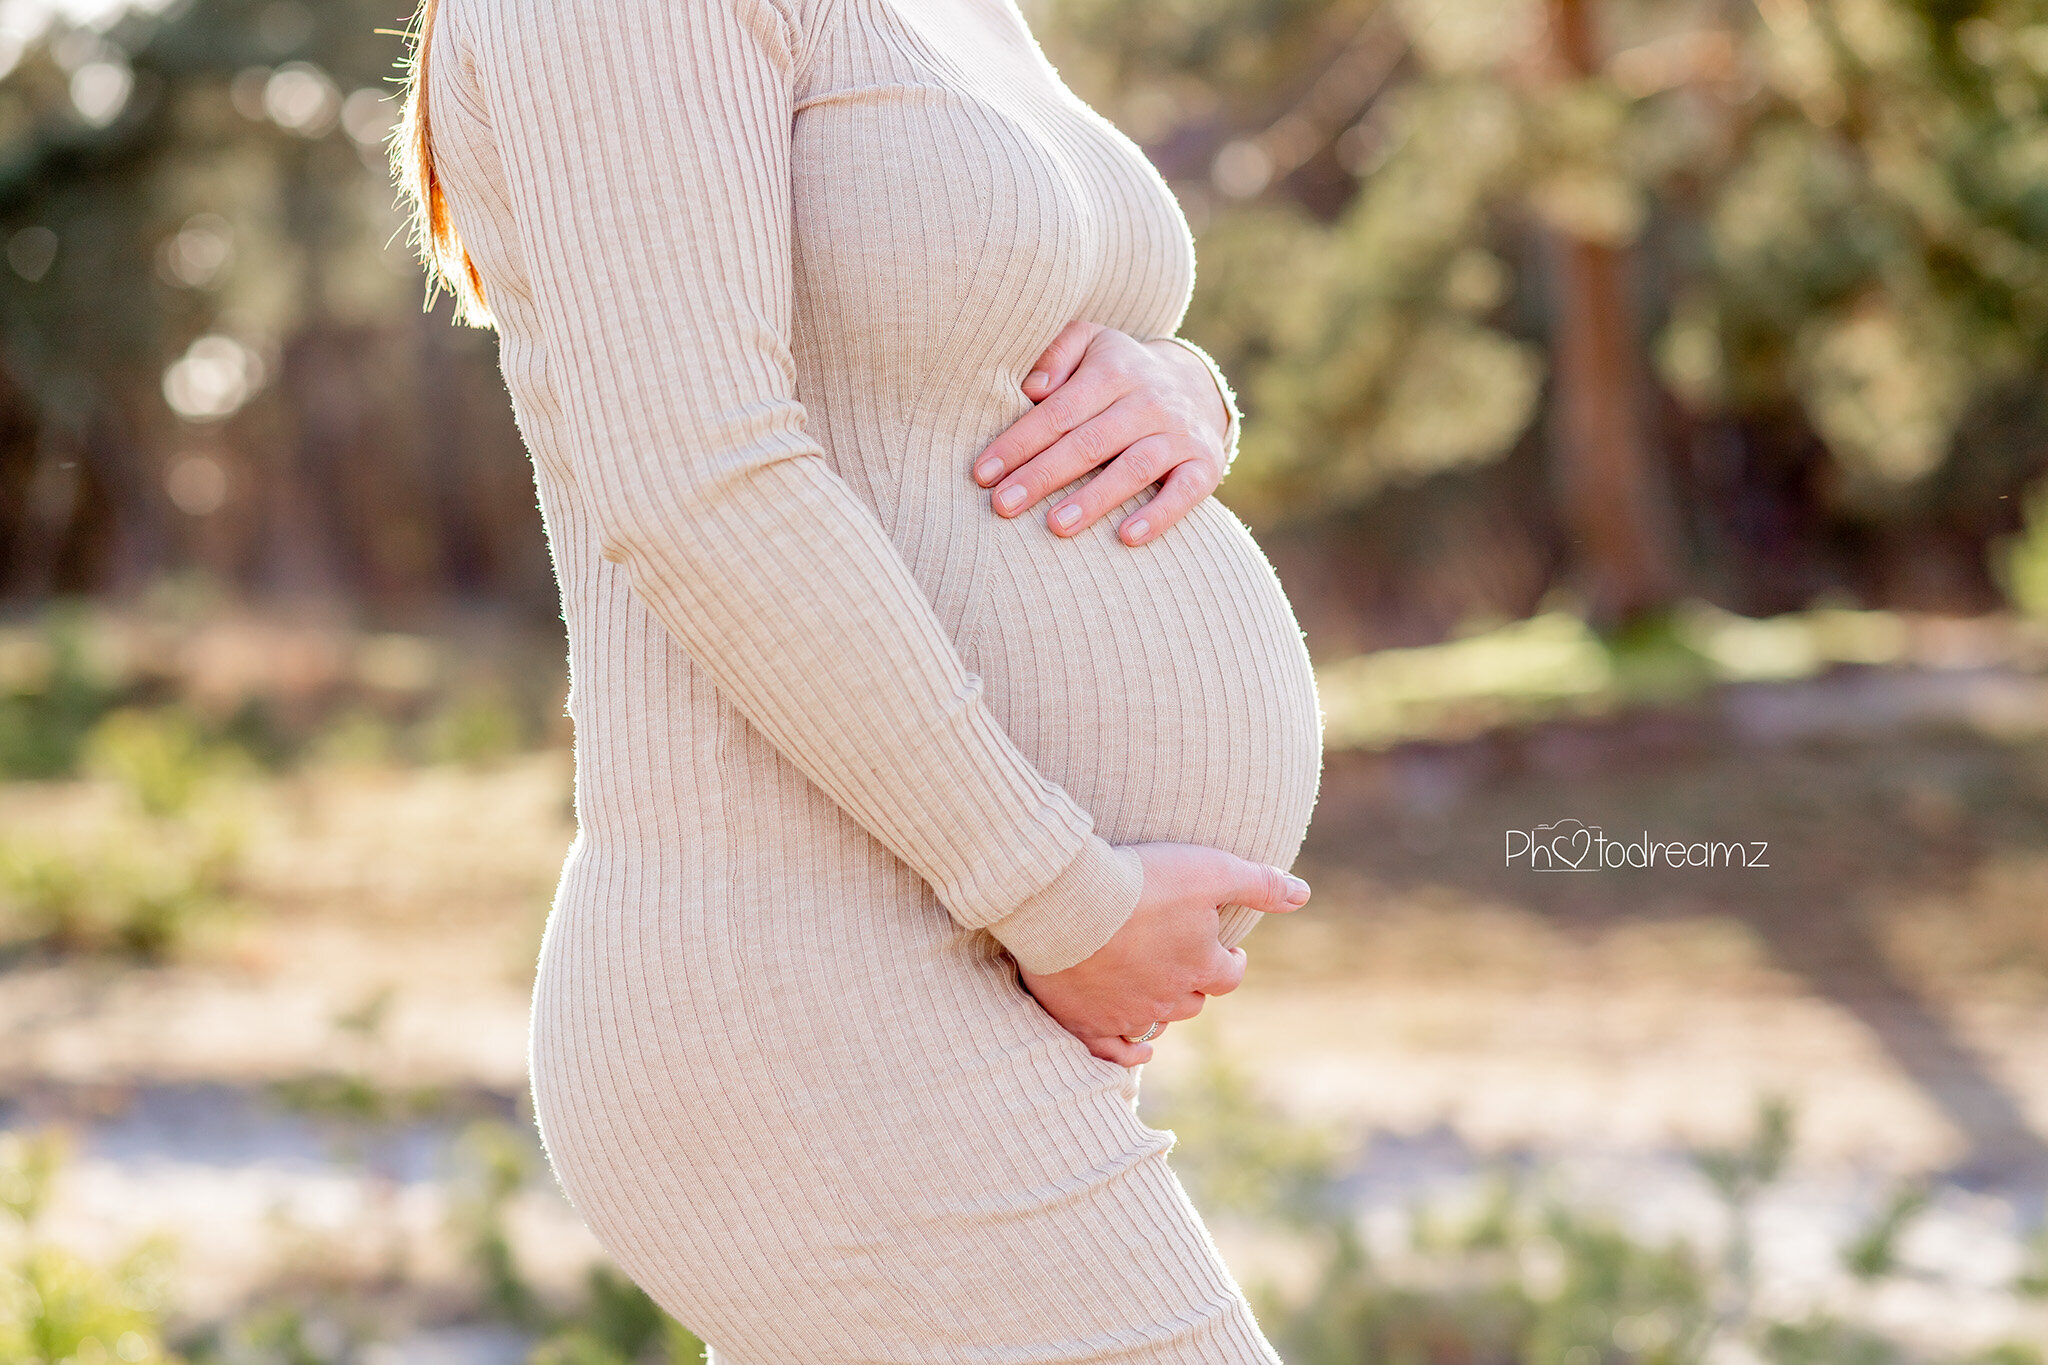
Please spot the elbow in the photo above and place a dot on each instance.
(631, 537)
(722, 478)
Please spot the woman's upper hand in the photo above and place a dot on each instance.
(1149, 410)
(1167, 958)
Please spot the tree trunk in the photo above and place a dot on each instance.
(1613, 500)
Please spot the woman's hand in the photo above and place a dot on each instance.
(1150, 410)
(1167, 959)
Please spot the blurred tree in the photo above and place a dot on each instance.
(1837, 213)
(1613, 496)
(214, 354)
(1742, 296)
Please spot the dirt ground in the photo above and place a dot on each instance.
(1887, 971)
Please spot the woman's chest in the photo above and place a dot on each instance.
(955, 203)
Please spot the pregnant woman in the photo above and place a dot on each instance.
(906, 814)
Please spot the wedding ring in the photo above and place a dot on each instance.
(1147, 1036)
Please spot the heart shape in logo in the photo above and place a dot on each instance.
(1573, 836)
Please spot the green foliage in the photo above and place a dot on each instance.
(1237, 1156)
(1514, 672)
(277, 1334)
(475, 727)
(1555, 664)
(1654, 657)
(170, 706)
(357, 1097)
(160, 756)
(492, 1164)
(50, 697)
(1354, 1316)
(618, 1324)
(1825, 1341)
(2011, 1353)
(1371, 358)
(356, 738)
(56, 1307)
(1739, 1173)
(141, 886)
(1522, 1277)
(28, 1165)
(1836, 210)
(2033, 1277)
(1528, 1280)
(140, 891)
(2021, 561)
(1875, 1251)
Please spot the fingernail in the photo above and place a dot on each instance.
(1011, 498)
(1297, 890)
(988, 469)
(1138, 528)
(1035, 379)
(1066, 516)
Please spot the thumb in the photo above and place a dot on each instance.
(1053, 368)
(1262, 886)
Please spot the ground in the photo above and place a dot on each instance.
(287, 1088)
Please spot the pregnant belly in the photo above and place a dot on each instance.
(1166, 687)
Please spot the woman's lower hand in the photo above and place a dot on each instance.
(1149, 410)
(1167, 959)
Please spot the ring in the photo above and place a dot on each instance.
(1147, 1036)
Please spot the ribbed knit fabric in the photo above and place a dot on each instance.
(768, 275)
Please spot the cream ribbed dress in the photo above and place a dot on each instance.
(768, 275)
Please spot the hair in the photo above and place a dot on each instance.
(434, 239)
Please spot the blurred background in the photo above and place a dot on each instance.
(1645, 411)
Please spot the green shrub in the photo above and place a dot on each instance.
(276, 1334)
(2021, 561)
(492, 1163)
(358, 737)
(477, 726)
(142, 892)
(1875, 1250)
(160, 756)
(50, 698)
(1528, 1281)
(1824, 1341)
(55, 1307)
(1237, 1155)
(618, 1324)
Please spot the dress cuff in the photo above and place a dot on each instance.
(1229, 400)
(1077, 912)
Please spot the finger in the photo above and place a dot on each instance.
(1060, 359)
(1262, 886)
(1093, 443)
(1080, 399)
(1226, 971)
(1187, 483)
(1130, 450)
(1145, 460)
(1122, 1051)
(1187, 1007)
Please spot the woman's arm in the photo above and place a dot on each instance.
(646, 148)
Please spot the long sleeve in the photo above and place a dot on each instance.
(646, 147)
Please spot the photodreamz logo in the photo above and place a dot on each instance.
(1574, 846)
